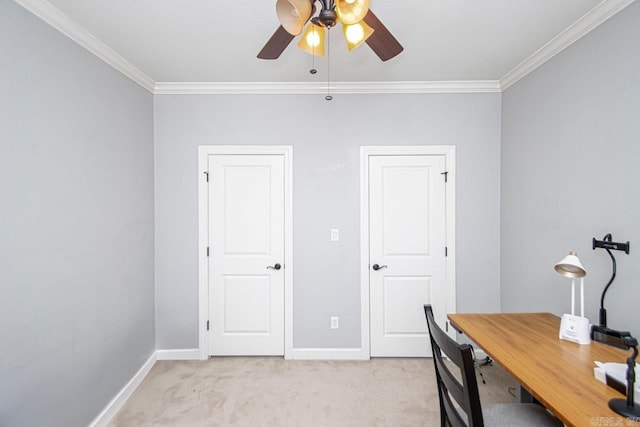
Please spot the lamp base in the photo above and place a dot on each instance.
(575, 329)
(620, 406)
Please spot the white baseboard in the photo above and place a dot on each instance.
(329, 354)
(116, 403)
(298, 354)
(179, 354)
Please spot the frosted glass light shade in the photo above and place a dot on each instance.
(312, 40)
(293, 14)
(356, 34)
(352, 11)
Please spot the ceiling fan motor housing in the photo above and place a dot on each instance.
(328, 16)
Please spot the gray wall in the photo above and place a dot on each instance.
(570, 157)
(326, 137)
(76, 227)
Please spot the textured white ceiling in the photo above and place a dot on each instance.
(217, 41)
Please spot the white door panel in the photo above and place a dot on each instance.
(242, 294)
(246, 235)
(400, 293)
(405, 218)
(407, 239)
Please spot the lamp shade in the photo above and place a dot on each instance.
(293, 14)
(570, 266)
(312, 40)
(356, 34)
(352, 11)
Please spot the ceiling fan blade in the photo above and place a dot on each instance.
(276, 44)
(381, 41)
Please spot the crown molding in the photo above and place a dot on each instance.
(286, 88)
(51, 15)
(61, 22)
(596, 16)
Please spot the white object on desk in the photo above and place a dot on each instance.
(575, 328)
(618, 373)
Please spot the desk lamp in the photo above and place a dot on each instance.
(626, 407)
(574, 328)
(601, 332)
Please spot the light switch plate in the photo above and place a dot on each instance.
(335, 235)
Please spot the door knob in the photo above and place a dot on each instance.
(274, 267)
(377, 267)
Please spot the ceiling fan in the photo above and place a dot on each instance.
(360, 25)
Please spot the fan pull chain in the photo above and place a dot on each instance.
(313, 66)
(328, 97)
(313, 59)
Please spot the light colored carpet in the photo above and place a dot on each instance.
(260, 391)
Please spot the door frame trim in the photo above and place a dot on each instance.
(449, 152)
(203, 266)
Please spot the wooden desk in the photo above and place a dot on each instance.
(556, 372)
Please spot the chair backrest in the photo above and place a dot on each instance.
(458, 393)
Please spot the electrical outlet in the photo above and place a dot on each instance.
(335, 322)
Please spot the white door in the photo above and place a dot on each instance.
(246, 260)
(407, 266)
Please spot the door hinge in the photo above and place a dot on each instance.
(207, 250)
(207, 175)
(207, 325)
(446, 251)
(446, 175)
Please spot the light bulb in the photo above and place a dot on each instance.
(313, 38)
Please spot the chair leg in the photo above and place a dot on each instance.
(443, 417)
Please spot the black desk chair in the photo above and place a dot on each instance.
(460, 401)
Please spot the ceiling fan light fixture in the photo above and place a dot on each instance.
(356, 34)
(294, 16)
(352, 11)
(312, 40)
